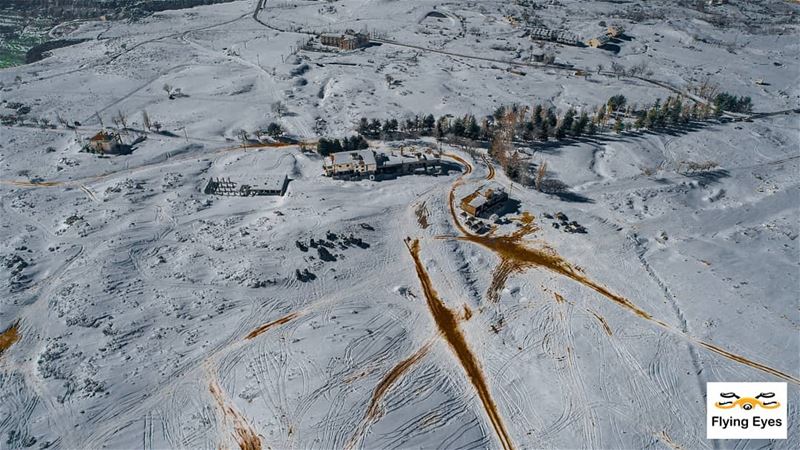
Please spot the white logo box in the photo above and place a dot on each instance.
(749, 415)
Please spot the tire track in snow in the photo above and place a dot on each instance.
(388, 381)
(447, 322)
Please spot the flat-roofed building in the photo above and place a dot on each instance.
(481, 202)
(356, 163)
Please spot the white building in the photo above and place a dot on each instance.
(353, 163)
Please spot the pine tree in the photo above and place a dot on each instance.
(578, 126)
(616, 102)
(569, 117)
(560, 133)
(513, 166)
(442, 127)
(363, 126)
(429, 122)
(619, 126)
(639, 123)
(458, 127)
(323, 147)
(472, 129)
(544, 131)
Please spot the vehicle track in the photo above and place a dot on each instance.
(512, 248)
(383, 386)
(447, 323)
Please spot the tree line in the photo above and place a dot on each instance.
(327, 146)
(517, 124)
(540, 123)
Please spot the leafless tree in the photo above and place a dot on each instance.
(62, 121)
(279, 108)
(120, 119)
(618, 69)
(146, 120)
(541, 173)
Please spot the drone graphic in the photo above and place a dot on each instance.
(747, 403)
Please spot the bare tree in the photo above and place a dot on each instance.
(167, 88)
(541, 173)
(146, 120)
(279, 108)
(618, 69)
(121, 119)
(243, 137)
(62, 121)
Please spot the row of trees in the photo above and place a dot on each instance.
(327, 146)
(540, 123)
(727, 102)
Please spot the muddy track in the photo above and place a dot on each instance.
(8, 337)
(516, 256)
(243, 432)
(448, 324)
(386, 383)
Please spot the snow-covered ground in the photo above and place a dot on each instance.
(151, 315)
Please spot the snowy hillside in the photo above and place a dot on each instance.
(138, 311)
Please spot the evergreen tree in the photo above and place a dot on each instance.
(675, 110)
(551, 117)
(536, 117)
(560, 133)
(458, 127)
(362, 143)
(639, 123)
(363, 126)
(323, 147)
(428, 123)
(579, 125)
(544, 131)
(442, 127)
(499, 113)
(274, 129)
(374, 128)
(472, 129)
(336, 147)
(616, 102)
(619, 126)
(513, 167)
(569, 118)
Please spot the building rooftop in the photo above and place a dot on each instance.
(367, 156)
(483, 195)
(272, 181)
(102, 136)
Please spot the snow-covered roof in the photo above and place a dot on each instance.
(272, 181)
(367, 156)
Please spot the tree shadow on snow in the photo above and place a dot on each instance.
(709, 177)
